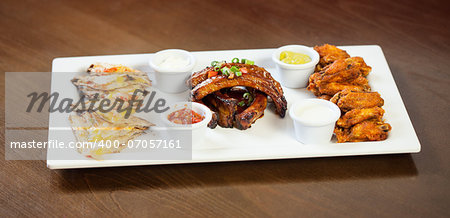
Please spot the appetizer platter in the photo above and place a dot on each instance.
(291, 102)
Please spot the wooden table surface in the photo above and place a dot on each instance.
(415, 37)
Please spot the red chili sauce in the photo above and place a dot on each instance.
(185, 116)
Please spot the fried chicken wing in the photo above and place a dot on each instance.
(369, 130)
(329, 54)
(334, 74)
(333, 88)
(312, 84)
(358, 64)
(318, 88)
(342, 74)
(347, 100)
(345, 69)
(362, 81)
(356, 116)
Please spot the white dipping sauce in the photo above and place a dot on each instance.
(314, 120)
(174, 62)
(314, 113)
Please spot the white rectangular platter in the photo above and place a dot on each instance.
(270, 137)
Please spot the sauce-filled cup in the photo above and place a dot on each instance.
(172, 68)
(295, 63)
(314, 120)
(189, 119)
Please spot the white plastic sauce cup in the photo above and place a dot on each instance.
(172, 79)
(198, 130)
(314, 120)
(295, 75)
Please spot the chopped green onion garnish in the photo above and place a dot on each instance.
(238, 73)
(235, 60)
(241, 103)
(216, 68)
(243, 60)
(225, 71)
(214, 63)
(249, 62)
(246, 95)
(234, 69)
(249, 97)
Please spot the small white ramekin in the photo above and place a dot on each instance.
(295, 75)
(314, 132)
(197, 130)
(172, 80)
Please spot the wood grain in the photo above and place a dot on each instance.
(414, 36)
